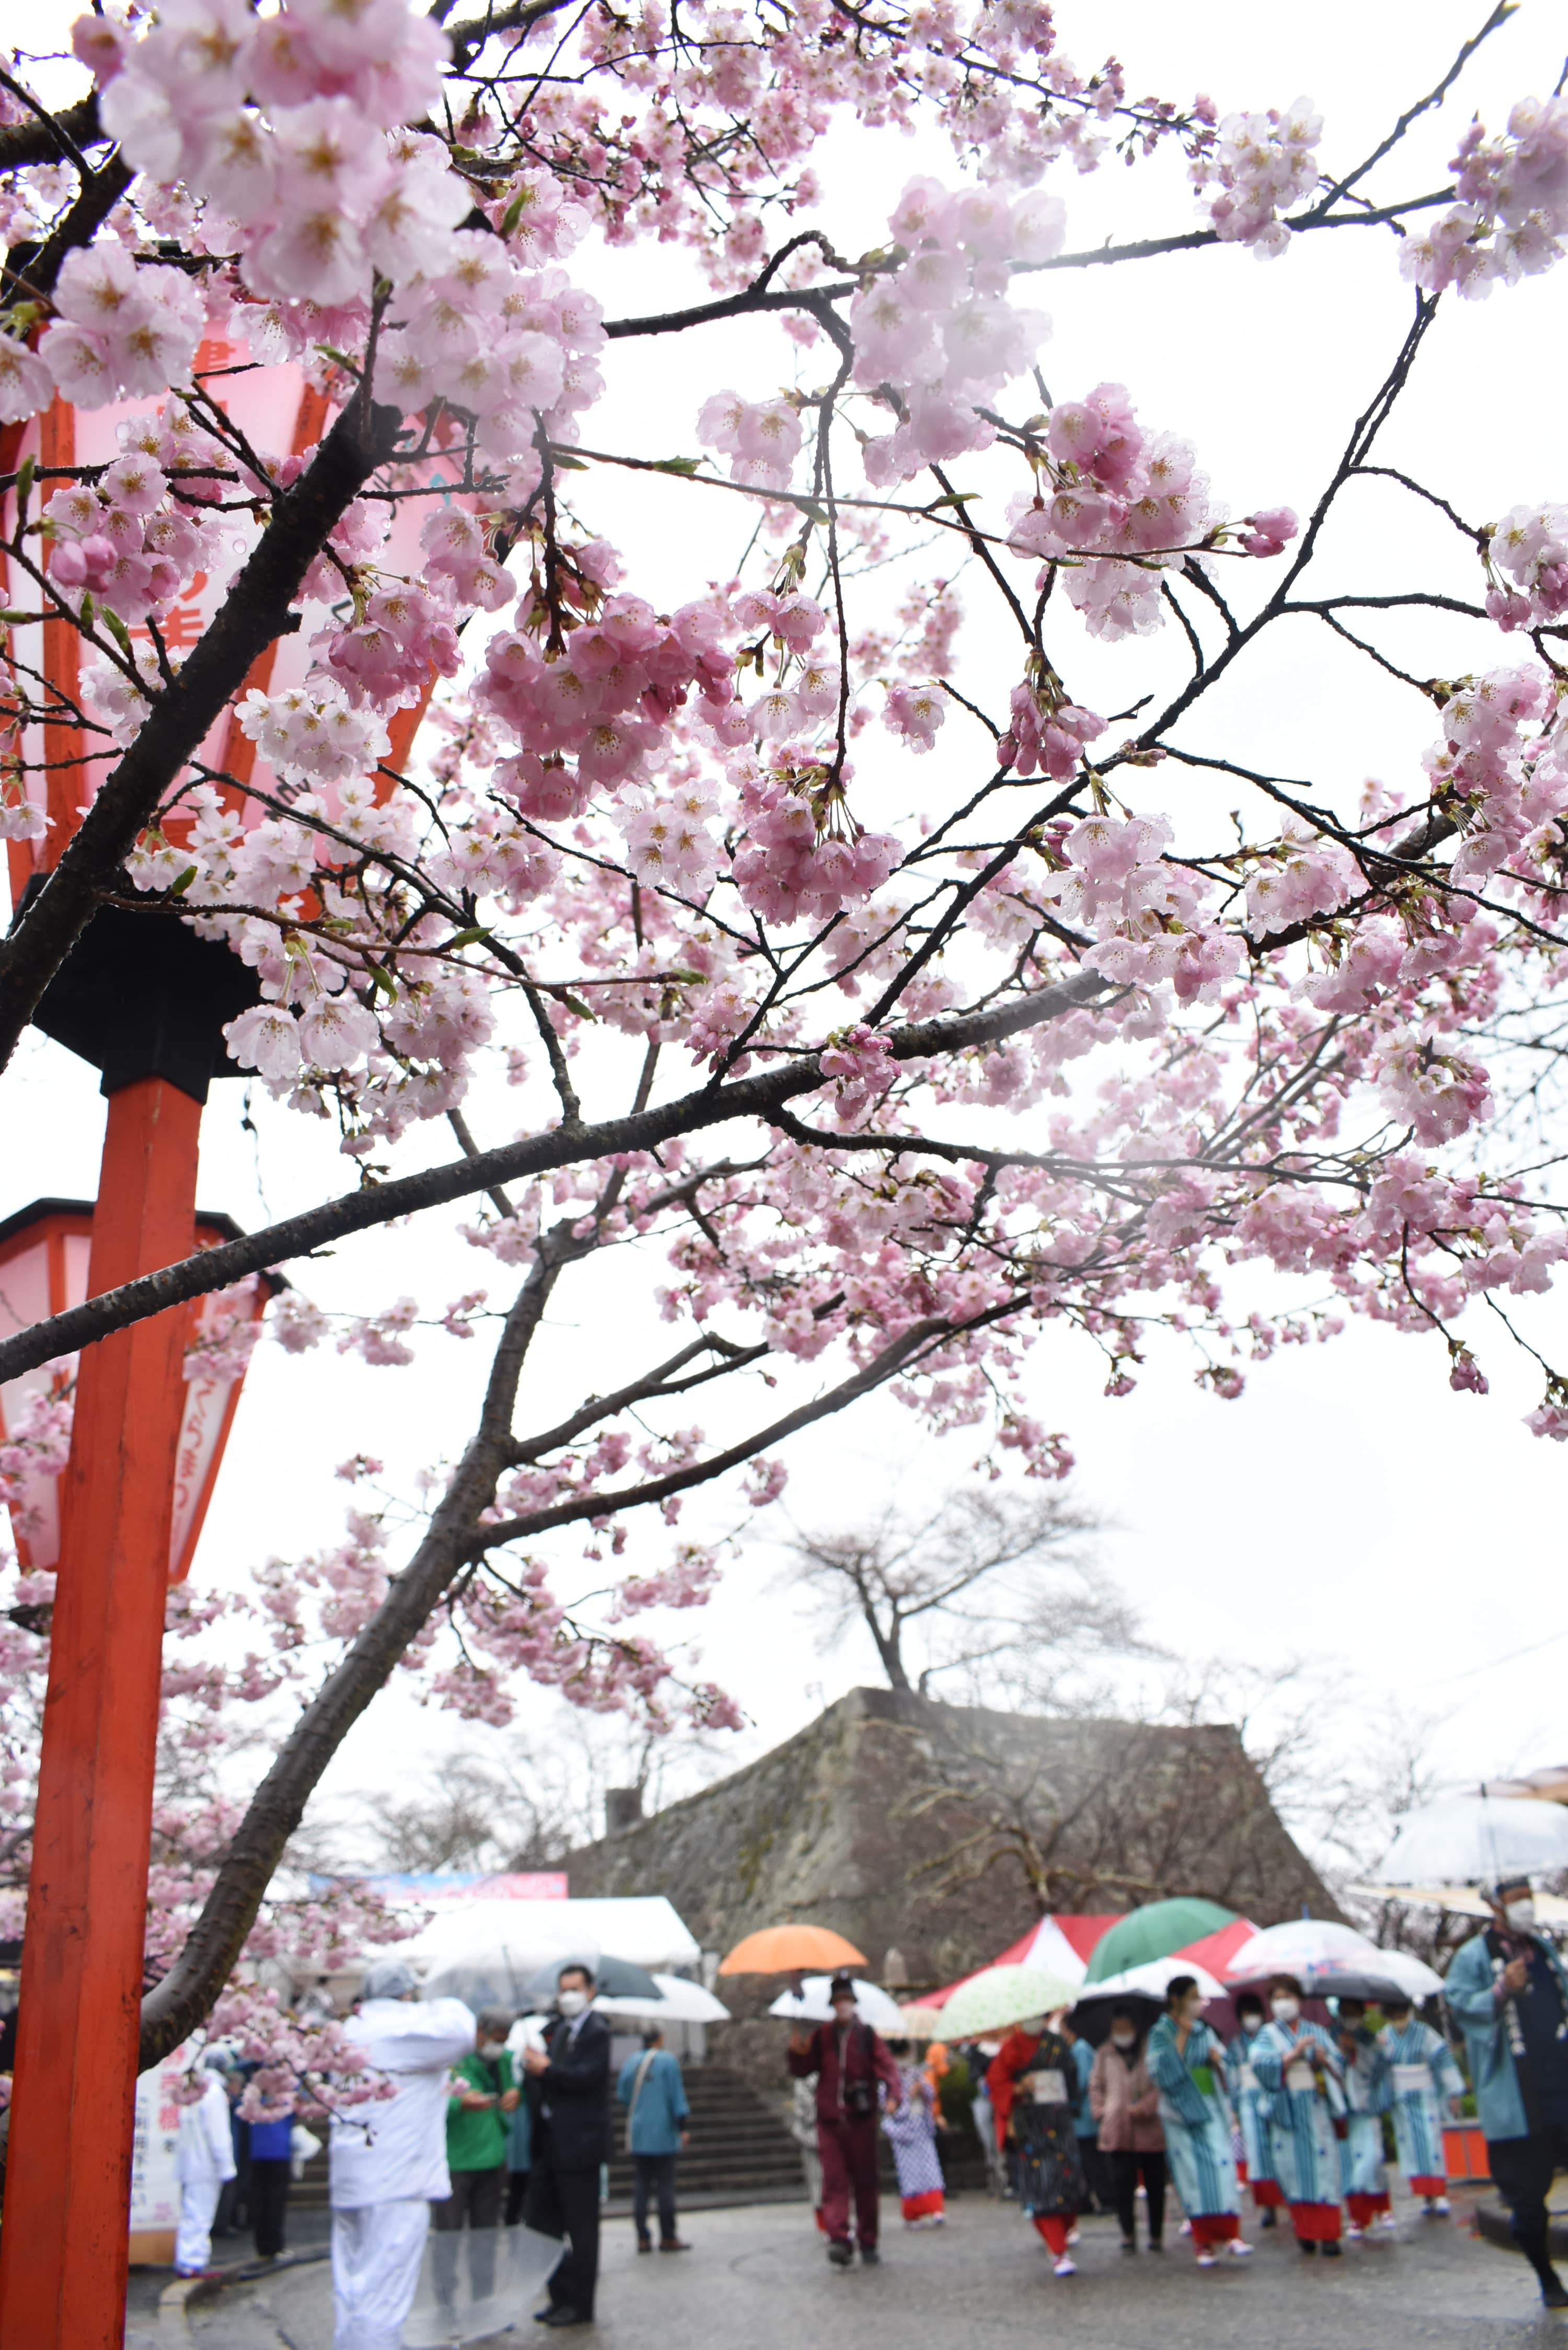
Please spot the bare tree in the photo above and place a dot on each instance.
(992, 1596)
(523, 1804)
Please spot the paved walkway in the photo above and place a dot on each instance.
(756, 2279)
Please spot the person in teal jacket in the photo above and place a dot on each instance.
(1508, 1990)
(652, 2090)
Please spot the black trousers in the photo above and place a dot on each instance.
(654, 2176)
(476, 2198)
(566, 2203)
(269, 2202)
(516, 2196)
(1097, 2192)
(1523, 2169)
(1125, 2169)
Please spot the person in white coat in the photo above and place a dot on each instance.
(203, 2159)
(388, 2156)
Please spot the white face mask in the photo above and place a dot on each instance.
(1520, 1915)
(1123, 2039)
(571, 2003)
(1249, 2024)
(1285, 2007)
(1032, 2025)
(492, 2047)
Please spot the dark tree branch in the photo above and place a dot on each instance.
(356, 1211)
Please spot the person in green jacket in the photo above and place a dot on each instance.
(483, 2098)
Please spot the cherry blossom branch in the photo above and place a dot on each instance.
(360, 1210)
(256, 611)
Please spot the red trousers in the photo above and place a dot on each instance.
(848, 2151)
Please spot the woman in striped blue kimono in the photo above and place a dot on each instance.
(1299, 2065)
(1363, 2173)
(1424, 2082)
(1185, 2060)
(1256, 2167)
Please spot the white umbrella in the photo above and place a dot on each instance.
(1317, 1952)
(680, 2002)
(872, 2005)
(999, 1997)
(1477, 1840)
(1152, 1980)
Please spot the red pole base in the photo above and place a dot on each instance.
(63, 2250)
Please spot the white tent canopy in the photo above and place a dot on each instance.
(503, 1944)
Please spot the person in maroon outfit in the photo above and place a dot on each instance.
(848, 2060)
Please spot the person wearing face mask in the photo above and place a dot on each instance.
(851, 2063)
(1298, 2064)
(1033, 2086)
(1363, 2175)
(569, 2106)
(1186, 2062)
(388, 2157)
(1423, 2081)
(1255, 2171)
(482, 2096)
(1125, 2104)
(1508, 1989)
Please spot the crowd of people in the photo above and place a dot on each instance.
(489, 2123)
(493, 2122)
(1290, 2112)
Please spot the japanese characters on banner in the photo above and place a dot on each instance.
(154, 2189)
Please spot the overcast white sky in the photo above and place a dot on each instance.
(1350, 1505)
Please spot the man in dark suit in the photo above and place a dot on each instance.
(569, 2098)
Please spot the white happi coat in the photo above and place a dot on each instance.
(393, 2148)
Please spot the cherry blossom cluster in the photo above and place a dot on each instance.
(1116, 508)
(1513, 214)
(1508, 785)
(938, 337)
(1260, 166)
(120, 329)
(125, 541)
(1146, 914)
(1047, 734)
(1529, 546)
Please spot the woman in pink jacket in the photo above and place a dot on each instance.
(1125, 2104)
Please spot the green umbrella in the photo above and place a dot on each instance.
(1153, 1932)
(1001, 1996)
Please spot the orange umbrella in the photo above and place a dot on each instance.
(792, 1949)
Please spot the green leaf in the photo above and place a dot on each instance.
(953, 498)
(574, 1003)
(686, 465)
(184, 882)
(514, 211)
(383, 980)
(564, 464)
(468, 938)
(117, 629)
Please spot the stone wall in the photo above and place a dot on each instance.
(902, 1822)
